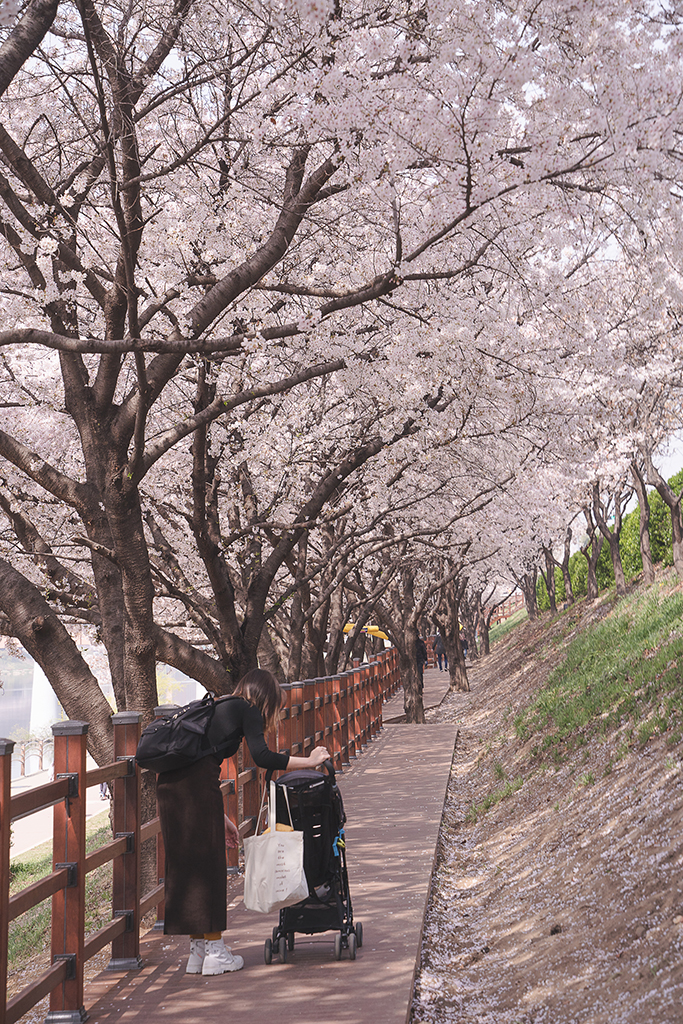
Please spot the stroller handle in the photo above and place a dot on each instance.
(327, 765)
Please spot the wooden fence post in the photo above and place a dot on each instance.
(251, 790)
(68, 850)
(125, 949)
(319, 723)
(335, 720)
(308, 704)
(231, 804)
(296, 718)
(376, 689)
(284, 724)
(6, 748)
(354, 710)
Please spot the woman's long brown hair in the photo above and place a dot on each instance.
(262, 689)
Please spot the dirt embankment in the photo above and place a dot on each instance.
(562, 903)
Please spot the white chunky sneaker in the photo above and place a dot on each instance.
(197, 954)
(219, 959)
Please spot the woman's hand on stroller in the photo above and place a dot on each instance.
(232, 834)
(318, 756)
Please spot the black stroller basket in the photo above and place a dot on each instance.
(312, 802)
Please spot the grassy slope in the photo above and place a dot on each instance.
(610, 671)
(557, 892)
(621, 673)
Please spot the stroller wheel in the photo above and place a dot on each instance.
(352, 946)
(337, 946)
(290, 940)
(359, 933)
(276, 935)
(268, 952)
(282, 949)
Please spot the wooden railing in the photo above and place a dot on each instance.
(343, 713)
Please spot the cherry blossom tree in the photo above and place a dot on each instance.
(215, 206)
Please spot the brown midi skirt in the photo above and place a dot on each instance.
(192, 825)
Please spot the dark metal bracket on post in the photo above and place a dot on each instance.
(129, 916)
(73, 783)
(130, 845)
(131, 764)
(68, 958)
(129, 963)
(71, 879)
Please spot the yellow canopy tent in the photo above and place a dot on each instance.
(370, 630)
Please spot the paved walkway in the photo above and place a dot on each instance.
(393, 796)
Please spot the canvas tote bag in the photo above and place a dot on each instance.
(274, 866)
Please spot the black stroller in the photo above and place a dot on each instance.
(316, 809)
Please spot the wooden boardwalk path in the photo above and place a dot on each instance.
(393, 795)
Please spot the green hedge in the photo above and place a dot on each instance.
(629, 546)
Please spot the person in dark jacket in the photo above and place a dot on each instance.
(422, 658)
(440, 652)
(196, 831)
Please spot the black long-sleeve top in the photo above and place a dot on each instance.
(235, 719)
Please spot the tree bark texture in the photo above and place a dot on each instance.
(591, 552)
(644, 523)
(41, 633)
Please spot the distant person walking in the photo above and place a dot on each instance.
(440, 651)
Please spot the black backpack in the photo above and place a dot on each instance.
(178, 739)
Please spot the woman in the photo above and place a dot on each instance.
(194, 827)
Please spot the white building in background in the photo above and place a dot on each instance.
(45, 708)
(29, 705)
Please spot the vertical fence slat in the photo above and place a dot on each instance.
(6, 748)
(125, 949)
(68, 848)
(296, 711)
(251, 797)
(318, 699)
(354, 738)
(335, 718)
(231, 802)
(344, 683)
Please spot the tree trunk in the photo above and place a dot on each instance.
(644, 536)
(612, 535)
(677, 536)
(549, 577)
(336, 633)
(594, 546)
(125, 519)
(268, 656)
(527, 584)
(467, 618)
(413, 704)
(568, 589)
(486, 632)
(449, 628)
(42, 634)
